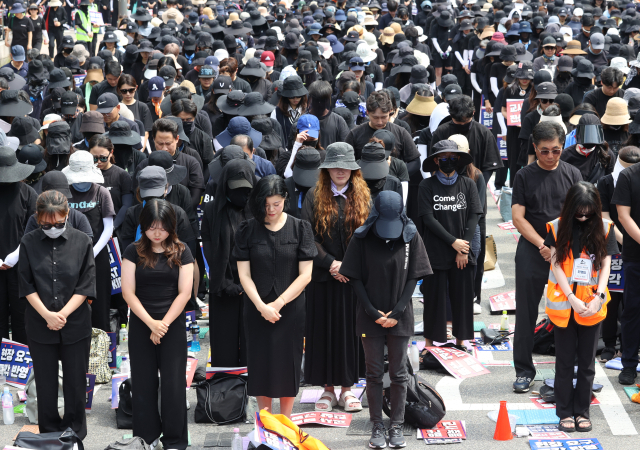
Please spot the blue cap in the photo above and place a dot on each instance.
(310, 124)
(384, 8)
(336, 46)
(239, 125)
(193, 17)
(525, 27)
(315, 29)
(212, 61)
(156, 87)
(308, 20)
(220, 9)
(17, 8)
(17, 53)
(514, 30)
(340, 16)
(356, 63)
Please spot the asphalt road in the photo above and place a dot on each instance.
(477, 396)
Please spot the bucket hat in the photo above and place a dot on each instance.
(340, 155)
(92, 122)
(23, 128)
(620, 64)
(152, 181)
(237, 28)
(291, 41)
(141, 14)
(255, 104)
(57, 78)
(293, 87)
(508, 53)
(172, 14)
(32, 155)
(365, 53)
(12, 106)
(14, 80)
(573, 48)
(445, 20)
(373, 162)
(11, 170)
(174, 172)
(306, 167)
(82, 169)
(37, 71)
(421, 105)
(617, 112)
(387, 36)
(584, 69)
(445, 146)
(253, 68)
(239, 125)
(310, 124)
(120, 133)
(17, 8)
(231, 103)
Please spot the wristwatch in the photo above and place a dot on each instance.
(601, 295)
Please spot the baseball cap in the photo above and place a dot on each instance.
(69, 102)
(106, 102)
(597, 41)
(452, 91)
(310, 124)
(168, 73)
(156, 87)
(152, 181)
(222, 85)
(17, 53)
(267, 58)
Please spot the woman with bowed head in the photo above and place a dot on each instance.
(384, 261)
(581, 244)
(275, 254)
(336, 207)
(157, 278)
(57, 273)
(222, 218)
(292, 104)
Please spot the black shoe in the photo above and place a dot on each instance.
(396, 437)
(627, 376)
(522, 384)
(607, 354)
(378, 438)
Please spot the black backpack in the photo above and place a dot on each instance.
(424, 407)
(543, 340)
(124, 413)
(221, 399)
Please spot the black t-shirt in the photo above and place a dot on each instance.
(451, 206)
(542, 192)
(360, 135)
(157, 287)
(100, 89)
(184, 229)
(21, 29)
(612, 245)
(599, 100)
(384, 268)
(398, 169)
(141, 112)
(38, 26)
(17, 203)
(606, 188)
(586, 164)
(498, 70)
(119, 183)
(627, 190)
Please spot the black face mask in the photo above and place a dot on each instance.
(188, 127)
(311, 143)
(376, 185)
(252, 79)
(238, 197)
(462, 129)
(447, 166)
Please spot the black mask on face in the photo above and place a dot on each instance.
(462, 129)
(239, 197)
(447, 166)
(376, 185)
(188, 127)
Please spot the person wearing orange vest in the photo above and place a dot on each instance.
(581, 244)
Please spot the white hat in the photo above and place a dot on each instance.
(55, 3)
(578, 12)
(126, 112)
(613, 32)
(221, 54)
(620, 64)
(327, 51)
(122, 38)
(568, 2)
(248, 55)
(423, 58)
(366, 53)
(48, 119)
(556, 119)
(279, 31)
(421, 36)
(82, 169)
(371, 40)
(287, 71)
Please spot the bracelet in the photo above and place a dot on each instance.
(283, 301)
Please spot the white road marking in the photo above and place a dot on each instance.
(611, 406)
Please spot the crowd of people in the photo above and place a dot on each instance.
(320, 159)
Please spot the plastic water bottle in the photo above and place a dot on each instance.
(7, 407)
(236, 443)
(415, 357)
(123, 345)
(195, 341)
(504, 322)
(125, 366)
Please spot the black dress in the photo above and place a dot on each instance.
(332, 350)
(274, 351)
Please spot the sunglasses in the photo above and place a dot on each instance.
(357, 65)
(580, 215)
(451, 158)
(57, 225)
(128, 91)
(544, 101)
(546, 152)
(100, 158)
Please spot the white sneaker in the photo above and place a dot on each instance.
(497, 192)
(477, 309)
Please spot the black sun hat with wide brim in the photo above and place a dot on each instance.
(237, 28)
(446, 146)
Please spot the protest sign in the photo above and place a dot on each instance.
(115, 262)
(113, 361)
(502, 146)
(514, 109)
(192, 364)
(91, 384)
(445, 429)
(458, 363)
(116, 381)
(191, 318)
(95, 17)
(16, 363)
(616, 276)
(565, 444)
(486, 118)
(79, 78)
(330, 419)
(546, 432)
(482, 347)
(503, 302)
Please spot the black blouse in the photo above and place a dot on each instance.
(57, 269)
(274, 255)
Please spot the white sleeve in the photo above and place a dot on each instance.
(467, 57)
(12, 258)
(405, 191)
(503, 124)
(422, 149)
(273, 114)
(105, 236)
(216, 144)
(474, 83)
(494, 85)
(378, 86)
(288, 172)
(460, 58)
(436, 45)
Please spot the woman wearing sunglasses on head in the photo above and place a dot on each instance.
(57, 273)
(581, 244)
(449, 209)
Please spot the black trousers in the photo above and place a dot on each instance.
(170, 357)
(55, 35)
(610, 323)
(501, 176)
(480, 266)
(374, 360)
(631, 317)
(12, 305)
(102, 303)
(75, 365)
(532, 273)
(434, 288)
(513, 150)
(581, 341)
(226, 330)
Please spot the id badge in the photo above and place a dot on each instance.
(582, 270)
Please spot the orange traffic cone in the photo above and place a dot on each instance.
(503, 427)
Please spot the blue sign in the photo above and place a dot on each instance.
(15, 362)
(565, 444)
(113, 362)
(191, 318)
(486, 118)
(616, 276)
(502, 146)
(116, 265)
(482, 347)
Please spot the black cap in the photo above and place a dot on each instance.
(69, 103)
(106, 102)
(175, 173)
(222, 85)
(388, 138)
(56, 181)
(547, 90)
(168, 73)
(33, 155)
(373, 162)
(306, 167)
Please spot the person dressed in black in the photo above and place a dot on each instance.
(375, 170)
(21, 27)
(222, 218)
(591, 154)
(157, 279)
(384, 261)
(305, 172)
(38, 25)
(57, 273)
(17, 203)
(449, 210)
(54, 19)
(275, 255)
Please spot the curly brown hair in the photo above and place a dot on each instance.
(325, 208)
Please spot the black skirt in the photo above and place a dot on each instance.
(274, 350)
(332, 346)
(228, 345)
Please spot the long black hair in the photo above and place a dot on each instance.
(159, 212)
(583, 198)
(267, 186)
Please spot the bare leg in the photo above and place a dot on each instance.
(286, 405)
(264, 403)
(438, 75)
(322, 405)
(196, 279)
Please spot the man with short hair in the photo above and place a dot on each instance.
(109, 106)
(264, 167)
(112, 73)
(583, 36)
(612, 79)
(595, 51)
(385, 20)
(17, 63)
(538, 193)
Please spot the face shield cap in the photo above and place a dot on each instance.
(589, 134)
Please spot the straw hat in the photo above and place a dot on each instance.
(487, 33)
(387, 36)
(573, 48)
(396, 27)
(232, 16)
(422, 106)
(172, 14)
(617, 112)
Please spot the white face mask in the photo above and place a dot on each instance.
(55, 233)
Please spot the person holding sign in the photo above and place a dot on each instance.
(581, 244)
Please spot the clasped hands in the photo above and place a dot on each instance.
(385, 321)
(588, 309)
(158, 330)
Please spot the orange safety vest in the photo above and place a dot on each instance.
(283, 426)
(558, 307)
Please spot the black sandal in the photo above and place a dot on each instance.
(423, 354)
(582, 419)
(568, 420)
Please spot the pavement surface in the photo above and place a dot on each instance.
(616, 420)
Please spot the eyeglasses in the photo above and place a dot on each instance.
(100, 158)
(580, 215)
(128, 91)
(544, 101)
(450, 158)
(57, 225)
(546, 152)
